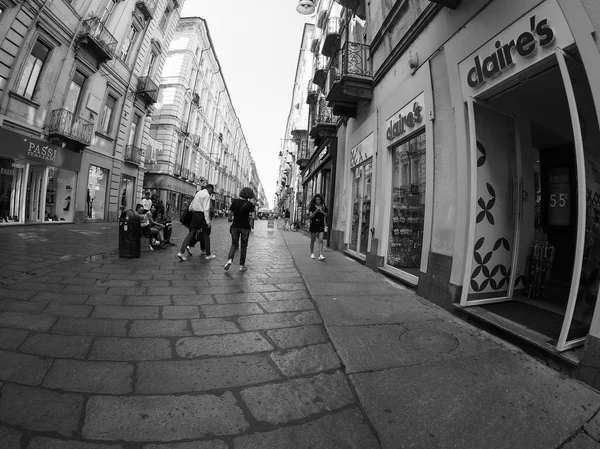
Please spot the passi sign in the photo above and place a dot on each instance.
(506, 54)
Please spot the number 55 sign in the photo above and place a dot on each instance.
(559, 196)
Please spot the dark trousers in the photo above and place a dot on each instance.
(198, 224)
(236, 234)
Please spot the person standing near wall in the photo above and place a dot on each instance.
(242, 210)
(317, 212)
(200, 206)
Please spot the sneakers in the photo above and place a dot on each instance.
(182, 257)
(150, 247)
(321, 257)
(154, 242)
(312, 256)
(211, 257)
(228, 264)
(203, 253)
(188, 252)
(243, 268)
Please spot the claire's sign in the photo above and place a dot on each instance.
(406, 120)
(530, 39)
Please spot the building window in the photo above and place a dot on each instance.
(32, 70)
(106, 11)
(106, 125)
(134, 130)
(164, 19)
(74, 92)
(128, 42)
(148, 71)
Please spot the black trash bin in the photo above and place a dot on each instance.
(130, 234)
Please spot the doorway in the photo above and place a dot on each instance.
(535, 230)
(362, 176)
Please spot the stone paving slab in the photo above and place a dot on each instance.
(298, 399)
(239, 298)
(68, 310)
(534, 407)
(130, 349)
(343, 430)
(192, 300)
(284, 295)
(56, 345)
(213, 326)
(26, 321)
(160, 328)
(11, 339)
(298, 336)
(22, 295)
(212, 444)
(222, 345)
(309, 360)
(90, 377)
(9, 439)
(53, 443)
(162, 418)
(13, 305)
(224, 310)
(278, 320)
(147, 301)
(180, 312)
(91, 326)
(203, 375)
(61, 298)
(40, 409)
(291, 305)
(23, 368)
(126, 312)
(107, 300)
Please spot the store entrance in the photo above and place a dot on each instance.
(534, 256)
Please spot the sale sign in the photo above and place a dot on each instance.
(559, 196)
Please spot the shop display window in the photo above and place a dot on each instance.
(408, 205)
(96, 193)
(127, 193)
(12, 172)
(60, 205)
(361, 207)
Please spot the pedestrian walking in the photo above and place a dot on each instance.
(286, 223)
(317, 212)
(200, 207)
(242, 210)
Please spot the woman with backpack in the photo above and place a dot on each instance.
(242, 210)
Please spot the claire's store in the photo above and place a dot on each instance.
(530, 125)
(37, 180)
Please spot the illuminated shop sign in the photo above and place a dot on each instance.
(406, 120)
(529, 40)
(525, 45)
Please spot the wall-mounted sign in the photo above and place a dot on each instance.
(362, 151)
(20, 146)
(406, 120)
(559, 196)
(522, 44)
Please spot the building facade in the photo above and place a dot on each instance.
(200, 138)
(78, 81)
(467, 162)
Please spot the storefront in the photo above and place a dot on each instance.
(361, 167)
(533, 237)
(174, 192)
(407, 155)
(318, 178)
(37, 180)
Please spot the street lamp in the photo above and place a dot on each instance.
(305, 7)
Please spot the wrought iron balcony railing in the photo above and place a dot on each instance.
(351, 59)
(177, 169)
(303, 151)
(147, 89)
(147, 8)
(322, 114)
(95, 35)
(312, 93)
(66, 124)
(133, 154)
(320, 74)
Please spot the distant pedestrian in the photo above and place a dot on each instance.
(317, 212)
(242, 210)
(200, 206)
(147, 201)
(286, 223)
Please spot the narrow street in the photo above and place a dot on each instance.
(98, 351)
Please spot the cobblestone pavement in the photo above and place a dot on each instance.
(106, 352)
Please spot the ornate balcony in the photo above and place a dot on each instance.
(320, 74)
(147, 90)
(350, 79)
(70, 128)
(177, 169)
(333, 32)
(452, 4)
(312, 93)
(147, 8)
(323, 122)
(185, 173)
(133, 155)
(298, 129)
(357, 6)
(97, 40)
(303, 154)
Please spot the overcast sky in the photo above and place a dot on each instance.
(257, 44)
